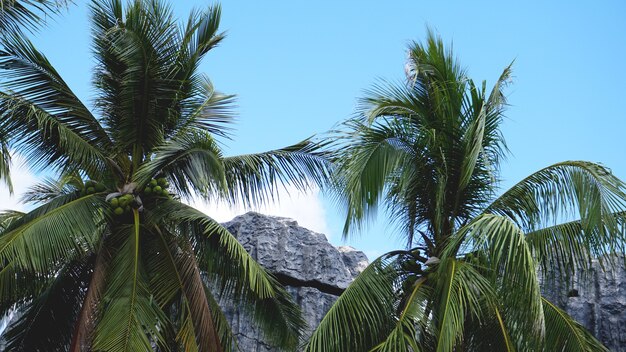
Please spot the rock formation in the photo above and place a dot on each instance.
(596, 299)
(313, 271)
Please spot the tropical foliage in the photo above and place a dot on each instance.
(429, 151)
(16, 15)
(110, 258)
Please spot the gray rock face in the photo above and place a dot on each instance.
(315, 269)
(598, 301)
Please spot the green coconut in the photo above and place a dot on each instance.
(157, 190)
(114, 202)
(91, 190)
(118, 211)
(153, 182)
(161, 181)
(147, 190)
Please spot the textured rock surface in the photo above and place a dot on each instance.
(316, 270)
(287, 249)
(598, 301)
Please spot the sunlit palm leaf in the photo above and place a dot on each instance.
(193, 163)
(256, 178)
(50, 234)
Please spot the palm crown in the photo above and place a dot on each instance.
(110, 259)
(429, 149)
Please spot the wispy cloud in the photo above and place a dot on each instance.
(305, 208)
(22, 179)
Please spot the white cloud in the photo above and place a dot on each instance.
(22, 179)
(305, 208)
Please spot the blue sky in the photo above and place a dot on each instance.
(298, 68)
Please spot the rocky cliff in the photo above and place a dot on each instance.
(597, 300)
(313, 271)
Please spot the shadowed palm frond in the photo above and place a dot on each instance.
(174, 272)
(46, 323)
(235, 275)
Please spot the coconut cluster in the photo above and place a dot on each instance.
(91, 187)
(123, 204)
(130, 196)
(157, 187)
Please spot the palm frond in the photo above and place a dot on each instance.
(567, 249)
(5, 162)
(45, 140)
(255, 178)
(175, 271)
(193, 163)
(28, 74)
(566, 334)
(131, 319)
(29, 14)
(362, 314)
(50, 188)
(461, 293)
(235, 274)
(573, 190)
(512, 271)
(366, 164)
(207, 110)
(52, 233)
(404, 337)
(46, 323)
(570, 189)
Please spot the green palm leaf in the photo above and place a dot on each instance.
(255, 178)
(130, 319)
(52, 233)
(16, 15)
(566, 334)
(361, 315)
(192, 161)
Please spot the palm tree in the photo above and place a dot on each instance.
(110, 258)
(429, 150)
